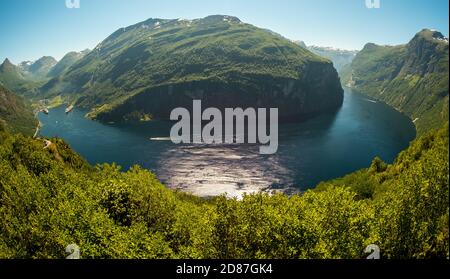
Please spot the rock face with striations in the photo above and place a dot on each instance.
(159, 64)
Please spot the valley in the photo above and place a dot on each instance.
(361, 158)
(413, 77)
(309, 152)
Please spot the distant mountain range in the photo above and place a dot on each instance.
(28, 76)
(12, 77)
(412, 78)
(39, 69)
(339, 57)
(159, 64)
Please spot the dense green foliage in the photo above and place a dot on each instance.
(159, 64)
(413, 78)
(411, 196)
(50, 198)
(15, 114)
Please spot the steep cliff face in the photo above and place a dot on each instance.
(295, 98)
(156, 65)
(413, 77)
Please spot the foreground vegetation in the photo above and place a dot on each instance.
(50, 198)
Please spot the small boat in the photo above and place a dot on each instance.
(69, 109)
(45, 111)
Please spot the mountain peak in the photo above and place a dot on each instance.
(46, 59)
(220, 18)
(66, 62)
(6, 62)
(7, 66)
(432, 32)
(430, 35)
(301, 43)
(86, 51)
(43, 62)
(370, 46)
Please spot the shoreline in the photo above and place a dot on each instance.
(413, 121)
(38, 128)
(39, 125)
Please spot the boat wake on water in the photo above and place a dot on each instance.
(372, 101)
(160, 139)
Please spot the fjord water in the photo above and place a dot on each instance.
(321, 148)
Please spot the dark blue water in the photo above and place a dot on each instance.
(321, 148)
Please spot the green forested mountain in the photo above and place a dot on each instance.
(412, 78)
(50, 198)
(156, 65)
(39, 69)
(28, 76)
(13, 78)
(15, 114)
(10, 75)
(66, 62)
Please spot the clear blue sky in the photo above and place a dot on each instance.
(31, 29)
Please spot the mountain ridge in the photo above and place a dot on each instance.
(161, 57)
(66, 62)
(413, 77)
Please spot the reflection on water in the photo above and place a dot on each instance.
(321, 148)
(210, 170)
